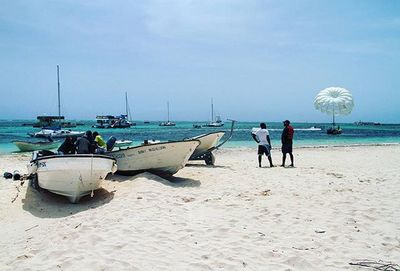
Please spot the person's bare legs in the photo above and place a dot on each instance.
(291, 159)
(259, 160)
(270, 161)
(283, 160)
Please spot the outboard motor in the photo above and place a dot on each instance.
(111, 143)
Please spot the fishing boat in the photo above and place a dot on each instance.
(168, 122)
(72, 175)
(56, 131)
(214, 123)
(110, 121)
(28, 146)
(208, 143)
(164, 158)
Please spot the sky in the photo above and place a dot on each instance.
(257, 59)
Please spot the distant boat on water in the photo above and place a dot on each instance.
(55, 130)
(28, 146)
(110, 121)
(213, 123)
(51, 121)
(168, 122)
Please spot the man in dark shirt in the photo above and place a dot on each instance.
(83, 144)
(287, 142)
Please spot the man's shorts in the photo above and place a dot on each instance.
(287, 147)
(264, 149)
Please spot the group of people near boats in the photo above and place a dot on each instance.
(88, 143)
(261, 136)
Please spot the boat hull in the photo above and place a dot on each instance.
(73, 176)
(161, 158)
(56, 133)
(35, 146)
(207, 143)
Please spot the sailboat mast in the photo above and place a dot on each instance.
(168, 111)
(58, 88)
(212, 110)
(126, 105)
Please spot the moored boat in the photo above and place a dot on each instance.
(168, 122)
(73, 176)
(214, 123)
(164, 158)
(27, 146)
(55, 133)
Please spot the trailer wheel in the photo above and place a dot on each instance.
(210, 159)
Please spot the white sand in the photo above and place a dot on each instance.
(336, 206)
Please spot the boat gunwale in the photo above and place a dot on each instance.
(74, 156)
(155, 144)
(204, 135)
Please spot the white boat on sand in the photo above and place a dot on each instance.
(164, 158)
(208, 143)
(27, 146)
(73, 176)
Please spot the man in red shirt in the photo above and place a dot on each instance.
(287, 142)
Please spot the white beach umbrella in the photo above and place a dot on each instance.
(335, 101)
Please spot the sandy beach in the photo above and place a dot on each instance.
(338, 205)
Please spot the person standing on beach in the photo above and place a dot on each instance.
(261, 136)
(287, 142)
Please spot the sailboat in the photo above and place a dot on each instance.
(168, 122)
(121, 121)
(214, 123)
(56, 132)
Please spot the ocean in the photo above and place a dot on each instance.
(304, 136)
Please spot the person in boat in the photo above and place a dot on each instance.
(261, 136)
(287, 142)
(83, 144)
(68, 146)
(101, 145)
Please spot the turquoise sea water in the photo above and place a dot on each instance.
(352, 134)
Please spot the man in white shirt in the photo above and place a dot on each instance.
(261, 136)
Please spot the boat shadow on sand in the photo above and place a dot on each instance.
(45, 204)
(172, 181)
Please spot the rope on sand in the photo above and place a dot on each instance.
(377, 265)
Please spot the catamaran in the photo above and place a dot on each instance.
(168, 122)
(214, 123)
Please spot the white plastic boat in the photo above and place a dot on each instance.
(73, 176)
(207, 143)
(60, 133)
(122, 143)
(161, 158)
(27, 146)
